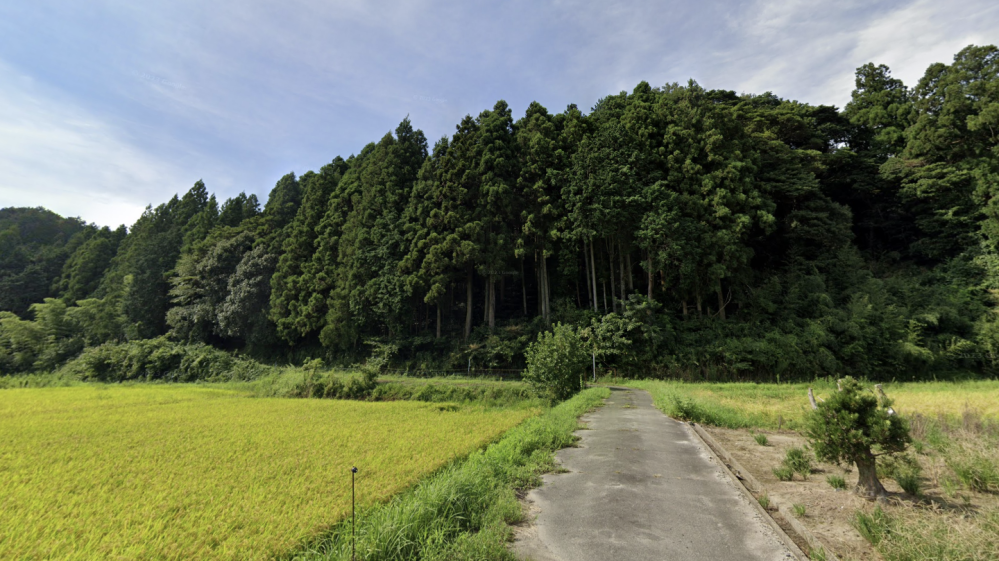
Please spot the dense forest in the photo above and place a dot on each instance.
(684, 232)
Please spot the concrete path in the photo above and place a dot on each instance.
(641, 486)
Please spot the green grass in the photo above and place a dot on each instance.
(761, 439)
(769, 406)
(182, 472)
(462, 512)
(836, 482)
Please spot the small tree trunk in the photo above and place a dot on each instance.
(721, 302)
(492, 304)
(610, 273)
(438, 320)
(523, 286)
(684, 308)
(603, 284)
(651, 281)
(700, 312)
(546, 312)
(468, 304)
(868, 485)
(586, 274)
(620, 261)
(631, 278)
(485, 300)
(593, 277)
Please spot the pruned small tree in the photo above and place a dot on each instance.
(556, 363)
(856, 426)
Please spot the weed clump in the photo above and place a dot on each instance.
(761, 439)
(836, 482)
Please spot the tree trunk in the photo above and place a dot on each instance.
(868, 485)
(603, 285)
(492, 303)
(438, 320)
(651, 282)
(485, 300)
(468, 304)
(586, 274)
(684, 308)
(523, 286)
(593, 276)
(620, 261)
(721, 302)
(700, 313)
(631, 278)
(546, 314)
(610, 273)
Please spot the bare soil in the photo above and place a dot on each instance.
(828, 512)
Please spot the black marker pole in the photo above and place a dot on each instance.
(353, 546)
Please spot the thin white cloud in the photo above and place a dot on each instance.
(912, 38)
(55, 155)
(808, 51)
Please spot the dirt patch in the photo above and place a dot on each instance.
(828, 512)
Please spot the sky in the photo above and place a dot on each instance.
(107, 106)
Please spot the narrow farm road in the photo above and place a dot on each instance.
(641, 486)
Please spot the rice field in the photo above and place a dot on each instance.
(739, 405)
(174, 472)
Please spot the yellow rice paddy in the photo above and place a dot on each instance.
(172, 472)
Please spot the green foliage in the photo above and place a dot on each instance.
(905, 470)
(850, 424)
(159, 359)
(684, 233)
(799, 509)
(783, 473)
(836, 482)
(976, 471)
(761, 439)
(874, 526)
(556, 363)
(764, 502)
(799, 460)
(796, 460)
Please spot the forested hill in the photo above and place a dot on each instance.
(686, 232)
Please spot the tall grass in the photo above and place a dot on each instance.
(769, 406)
(461, 512)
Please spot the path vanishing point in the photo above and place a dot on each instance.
(642, 486)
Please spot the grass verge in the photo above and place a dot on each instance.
(463, 511)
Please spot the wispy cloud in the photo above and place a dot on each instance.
(55, 155)
(133, 102)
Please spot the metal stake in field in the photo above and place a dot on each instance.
(353, 542)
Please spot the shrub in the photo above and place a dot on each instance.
(160, 359)
(556, 363)
(799, 461)
(783, 473)
(764, 502)
(849, 425)
(836, 482)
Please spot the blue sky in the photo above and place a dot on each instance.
(107, 106)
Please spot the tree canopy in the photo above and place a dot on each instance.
(678, 230)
